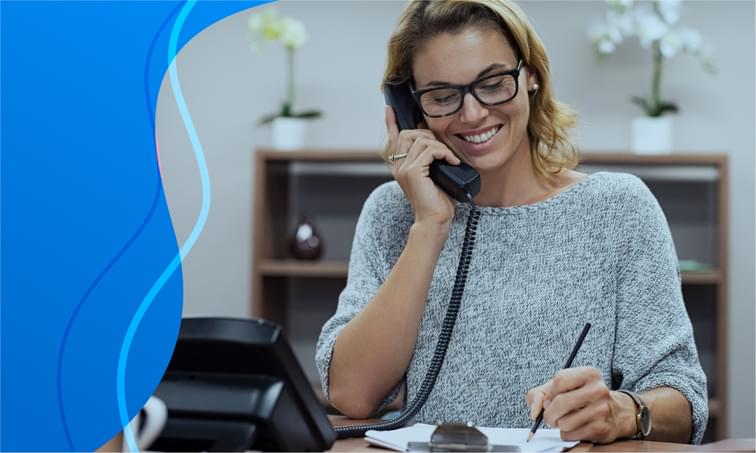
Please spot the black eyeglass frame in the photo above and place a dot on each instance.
(464, 89)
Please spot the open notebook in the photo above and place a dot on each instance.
(544, 440)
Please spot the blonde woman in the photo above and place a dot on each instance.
(554, 248)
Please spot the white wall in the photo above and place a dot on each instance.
(227, 88)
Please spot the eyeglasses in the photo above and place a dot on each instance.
(490, 90)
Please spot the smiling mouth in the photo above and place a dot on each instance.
(478, 139)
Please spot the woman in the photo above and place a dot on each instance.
(554, 249)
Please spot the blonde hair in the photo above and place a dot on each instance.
(550, 120)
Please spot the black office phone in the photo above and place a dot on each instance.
(234, 385)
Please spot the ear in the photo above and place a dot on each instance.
(532, 79)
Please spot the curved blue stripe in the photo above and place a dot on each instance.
(126, 246)
(186, 247)
(147, 91)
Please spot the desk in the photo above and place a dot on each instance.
(359, 444)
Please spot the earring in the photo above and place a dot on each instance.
(534, 88)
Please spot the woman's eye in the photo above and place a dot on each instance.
(497, 84)
(492, 85)
(445, 99)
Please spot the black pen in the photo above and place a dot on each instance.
(574, 352)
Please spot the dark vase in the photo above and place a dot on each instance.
(305, 243)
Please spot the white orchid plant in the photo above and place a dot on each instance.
(268, 25)
(656, 25)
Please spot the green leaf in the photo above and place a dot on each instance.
(308, 114)
(267, 119)
(667, 107)
(642, 103)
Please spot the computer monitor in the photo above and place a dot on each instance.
(234, 385)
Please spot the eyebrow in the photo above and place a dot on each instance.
(489, 68)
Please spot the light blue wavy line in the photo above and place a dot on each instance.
(186, 247)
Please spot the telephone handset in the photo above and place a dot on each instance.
(461, 181)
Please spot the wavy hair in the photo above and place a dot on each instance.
(550, 120)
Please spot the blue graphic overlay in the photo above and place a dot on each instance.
(90, 272)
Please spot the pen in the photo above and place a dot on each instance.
(574, 352)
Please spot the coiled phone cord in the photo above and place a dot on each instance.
(442, 345)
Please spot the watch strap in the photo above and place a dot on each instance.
(641, 407)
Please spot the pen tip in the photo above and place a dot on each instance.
(530, 436)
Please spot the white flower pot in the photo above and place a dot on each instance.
(289, 133)
(652, 135)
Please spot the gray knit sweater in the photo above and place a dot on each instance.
(599, 252)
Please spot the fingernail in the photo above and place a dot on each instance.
(546, 404)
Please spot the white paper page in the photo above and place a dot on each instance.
(397, 439)
(545, 440)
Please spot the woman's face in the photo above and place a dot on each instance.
(459, 59)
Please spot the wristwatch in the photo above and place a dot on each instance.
(642, 416)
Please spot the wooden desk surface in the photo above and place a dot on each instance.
(359, 444)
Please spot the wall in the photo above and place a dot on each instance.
(227, 88)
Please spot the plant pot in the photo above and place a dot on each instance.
(652, 135)
(289, 133)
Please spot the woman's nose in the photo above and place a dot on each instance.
(472, 110)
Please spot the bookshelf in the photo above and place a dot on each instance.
(331, 185)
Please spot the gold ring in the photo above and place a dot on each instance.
(395, 157)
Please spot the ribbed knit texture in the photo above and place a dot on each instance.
(599, 252)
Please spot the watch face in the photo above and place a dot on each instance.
(645, 420)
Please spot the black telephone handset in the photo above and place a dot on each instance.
(461, 181)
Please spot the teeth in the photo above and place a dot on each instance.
(480, 138)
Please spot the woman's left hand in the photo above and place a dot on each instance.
(578, 402)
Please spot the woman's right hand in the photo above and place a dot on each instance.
(431, 204)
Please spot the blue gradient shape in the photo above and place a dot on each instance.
(156, 198)
(81, 223)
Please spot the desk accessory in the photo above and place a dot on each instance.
(459, 437)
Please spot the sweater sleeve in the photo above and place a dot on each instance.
(654, 338)
(368, 267)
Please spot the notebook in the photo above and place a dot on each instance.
(545, 440)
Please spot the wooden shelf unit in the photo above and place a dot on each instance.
(273, 217)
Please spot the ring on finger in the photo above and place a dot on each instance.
(395, 157)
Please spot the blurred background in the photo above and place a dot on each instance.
(228, 87)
